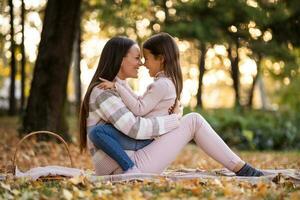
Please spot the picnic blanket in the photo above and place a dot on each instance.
(184, 174)
(275, 175)
(51, 170)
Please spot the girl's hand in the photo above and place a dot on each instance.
(106, 84)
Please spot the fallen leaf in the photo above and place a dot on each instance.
(67, 194)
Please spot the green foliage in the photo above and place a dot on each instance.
(120, 17)
(290, 95)
(255, 129)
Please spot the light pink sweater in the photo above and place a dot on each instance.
(156, 101)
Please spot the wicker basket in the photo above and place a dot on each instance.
(44, 178)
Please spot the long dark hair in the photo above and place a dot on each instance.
(109, 65)
(163, 44)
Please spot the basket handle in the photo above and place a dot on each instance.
(35, 133)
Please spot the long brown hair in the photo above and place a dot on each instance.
(163, 44)
(109, 65)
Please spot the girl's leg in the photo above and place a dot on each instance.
(112, 142)
(127, 143)
(103, 140)
(160, 153)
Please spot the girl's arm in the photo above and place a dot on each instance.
(105, 84)
(114, 110)
(142, 105)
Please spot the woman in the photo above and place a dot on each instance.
(121, 58)
(161, 55)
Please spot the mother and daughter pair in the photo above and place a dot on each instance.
(126, 133)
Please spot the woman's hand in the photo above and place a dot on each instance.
(106, 84)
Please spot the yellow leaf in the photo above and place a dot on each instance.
(262, 189)
(15, 192)
(104, 192)
(5, 186)
(76, 180)
(196, 190)
(67, 194)
(227, 190)
(295, 195)
(134, 194)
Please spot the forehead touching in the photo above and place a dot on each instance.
(146, 52)
(134, 50)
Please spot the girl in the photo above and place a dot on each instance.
(120, 58)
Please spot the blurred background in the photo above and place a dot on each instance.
(240, 62)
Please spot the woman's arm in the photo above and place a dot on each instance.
(142, 105)
(115, 111)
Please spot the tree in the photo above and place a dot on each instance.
(12, 98)
(45, 109)
(195, 21)
(235, 75)
(77, 70)
(203, 50)
(273, 18)
(255, 79)
(122, 17)
(23, 61)
(234, 17)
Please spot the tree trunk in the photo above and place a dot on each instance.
(263, 96)
(23, 61)
(45, 108)
(235, 73)
(251, 91)
(12, 98)
(201, 74)
(77, 72)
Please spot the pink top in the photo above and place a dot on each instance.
(156, 101)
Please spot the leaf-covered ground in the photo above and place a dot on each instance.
(34, 154)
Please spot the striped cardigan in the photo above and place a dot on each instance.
(106, 106)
